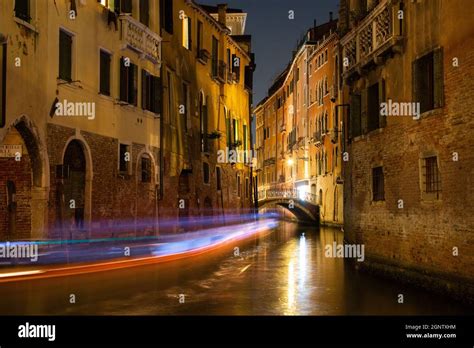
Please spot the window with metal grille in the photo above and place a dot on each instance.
(432, 182)
(378, 190)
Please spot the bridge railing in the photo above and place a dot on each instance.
(287, 194)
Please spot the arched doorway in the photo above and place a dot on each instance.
(74, 188)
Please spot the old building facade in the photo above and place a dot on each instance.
(298, 143)
(408, 192)
(97, 127)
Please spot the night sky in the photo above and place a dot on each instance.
(274, 36)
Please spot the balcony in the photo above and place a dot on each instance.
(376, 34)
(318, 138)
(140, 38)
(269, 162)
(203, 56)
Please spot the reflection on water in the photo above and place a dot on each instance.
(282, 273)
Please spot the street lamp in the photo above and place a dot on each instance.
(290, 161)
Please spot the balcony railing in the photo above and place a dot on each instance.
(377, 32)
(276, 193)
(140, 38)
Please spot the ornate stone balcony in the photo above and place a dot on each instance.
(377, 33)
(140, 38)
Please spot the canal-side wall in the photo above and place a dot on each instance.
(413, 235)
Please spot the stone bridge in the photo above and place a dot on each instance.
(303, 205)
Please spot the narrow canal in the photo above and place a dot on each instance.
(281, 273)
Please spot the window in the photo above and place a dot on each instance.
(228, 130)
(105, 59)
(236, 67)
(146, 168)
(378, 193)
(3, 83)
(199, 37)
(247, 187)
(144, 12)
(128, 82)
(229, 61)
(205, 171)
(151, 92)
(204, 123)
(65, 56)
(355, 122)
(215, 56)
(431, 177)
(239, 185)
(428, 80)
(171, 108)
(166, 11)
(235, 127)
(124, 158)
(185, 103)
(218, 178)
(22, 10)
(373, 107)
(187, 32)
(125, 5)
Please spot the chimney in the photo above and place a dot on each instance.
(222, 10)
(330, 16)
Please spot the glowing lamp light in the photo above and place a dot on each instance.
(289, 161)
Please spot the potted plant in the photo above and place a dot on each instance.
(214, 135)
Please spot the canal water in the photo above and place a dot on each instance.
(282, 273)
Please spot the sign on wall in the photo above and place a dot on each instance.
(10, 150)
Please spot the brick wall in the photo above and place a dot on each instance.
(20, 173)
(421, 236)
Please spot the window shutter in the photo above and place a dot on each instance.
(354, 119)
(65, 57)
(123, 80)
(3, 83)
(144, 11)
(145, 93)
(382, 99)
(157, 93)
(190, 34)
(126, 6)
(363, 114)
(438, 74)
(133, 84)
(415, 81)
